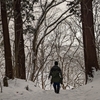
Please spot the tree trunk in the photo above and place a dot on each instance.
(34, 59)
(7, 49)
(88, 38)
(19, 42)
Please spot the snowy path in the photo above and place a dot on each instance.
(89, 93)
(44, 95)
(17, 91)
(64, 95)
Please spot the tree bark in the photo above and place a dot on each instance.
(88, 38)
(7, 48)
(19, 42)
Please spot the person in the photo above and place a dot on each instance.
(56, 77)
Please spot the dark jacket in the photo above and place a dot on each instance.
(56, 74)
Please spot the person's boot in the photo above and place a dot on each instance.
(55, 89)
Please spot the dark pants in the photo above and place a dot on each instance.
(56, 87)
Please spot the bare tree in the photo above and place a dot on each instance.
(42, 23)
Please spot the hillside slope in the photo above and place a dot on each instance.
(17, 91)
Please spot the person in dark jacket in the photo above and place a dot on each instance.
(56, 77)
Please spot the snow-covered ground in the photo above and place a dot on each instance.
(17, 91)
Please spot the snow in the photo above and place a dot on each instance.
(17, 91)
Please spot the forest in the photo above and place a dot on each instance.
(35, 33)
